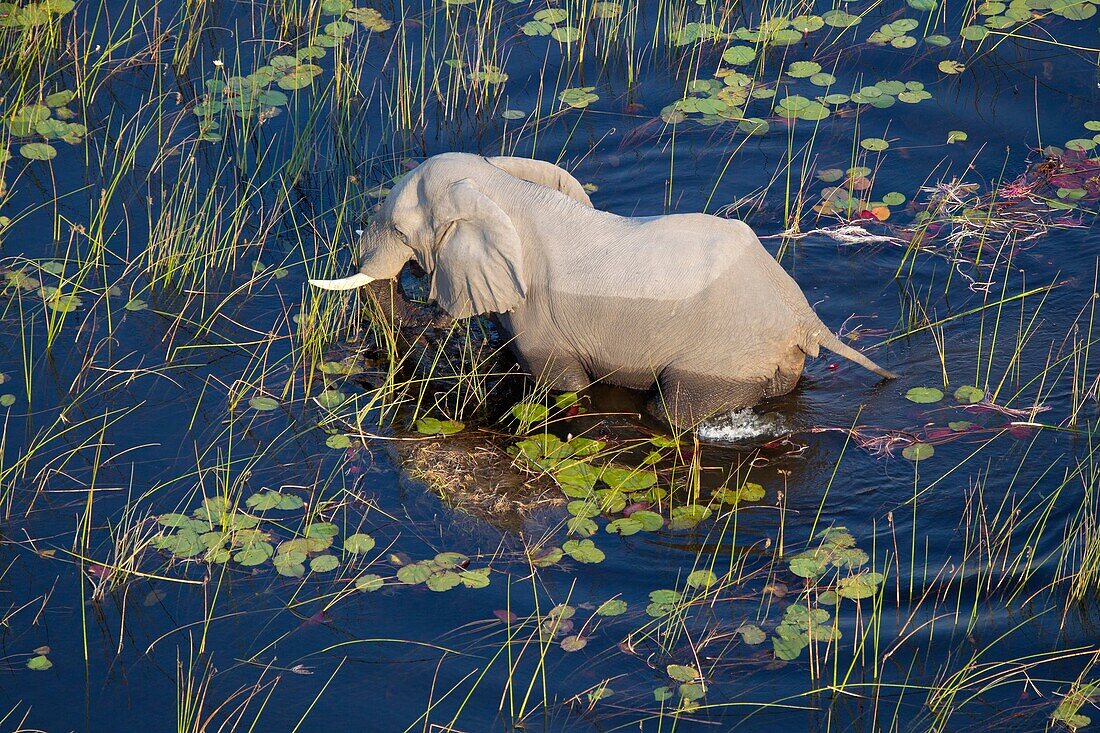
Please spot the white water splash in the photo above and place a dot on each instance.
(742, 425)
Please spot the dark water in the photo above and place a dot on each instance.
(977, 625)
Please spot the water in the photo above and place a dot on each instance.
(978, 624)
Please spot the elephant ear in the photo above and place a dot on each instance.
(544, 174)
(478, 267)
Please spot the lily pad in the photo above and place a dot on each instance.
(359, 543)
(918, 451)
(583, 551)
(969, 395)
(924, 395)
(38, 151)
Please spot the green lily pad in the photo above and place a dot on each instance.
(739, 55)
(682, 672)
(443, 581)
(38, 151)
(918, 451)
(338, 441)
(552, 16)
(264, 404)
(752, 634)
(701, 579)
(432, 426)
(369, 583)
(583, 551)
(859, 586)
(803, 69)
(924, 395)
(613, 607)
(969, 395)
(39, 663)
(874, 144)
(359, 543)
(566, 34)
(324, 563)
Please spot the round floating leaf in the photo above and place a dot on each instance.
(330, 399)
(924, 395)
(530, 413)
(701, 579)
(663, 693)
(475, 578)
(822, 79)
(918, 451)
(938, 40)
(264, 404)
(624, 526)
(840, 19)
(339, 28)
(552, 16)
(295, 81)
(359, 543)
(949, 66)
(969, 395)
(893, 199)
(38, 151)
(874, 144)
(803, 69)
(444, 581)
(336, 7)
(59, 99)
(583, 551)
(338, 441)
(1081, 144)
(974, 32)
(752, 634)
(739, 55)
(513, 114)
(536, 28)
(807, 23)
(368, 583)
(859, 586)
(39, 663)
(753, 126)
(324, 563)
(574, 643)
(960, 426)
(682, 672)
(956, 136)
(565, 34)
(613, 607)
(291, 564)
(650, 521)
(416, 573)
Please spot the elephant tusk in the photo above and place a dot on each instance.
(345, 283)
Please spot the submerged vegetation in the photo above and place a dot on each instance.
(231, 502)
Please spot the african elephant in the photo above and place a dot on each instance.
(690, 303)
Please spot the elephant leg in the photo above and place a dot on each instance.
(686, 399)
(561, 372)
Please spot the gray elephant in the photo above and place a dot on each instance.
(690, 303)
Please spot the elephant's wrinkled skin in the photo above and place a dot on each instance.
(690, 303)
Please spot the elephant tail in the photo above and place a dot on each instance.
(827, 339)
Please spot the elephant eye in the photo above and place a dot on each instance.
(400, 234)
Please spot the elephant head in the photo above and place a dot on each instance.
(443, 214)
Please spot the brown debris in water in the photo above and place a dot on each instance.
(475, 475)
